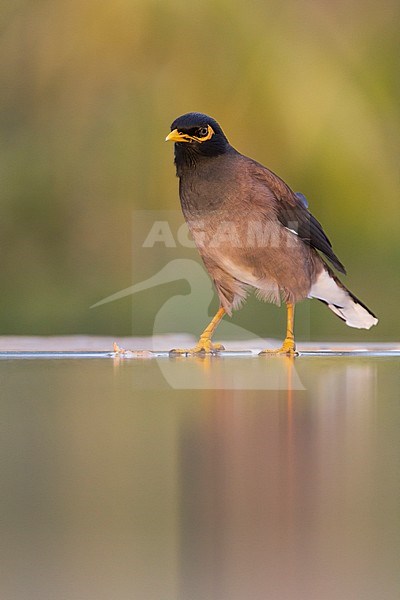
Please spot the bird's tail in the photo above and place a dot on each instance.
(341, 301)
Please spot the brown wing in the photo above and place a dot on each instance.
(293, 214)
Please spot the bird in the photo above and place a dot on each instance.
(253, 233)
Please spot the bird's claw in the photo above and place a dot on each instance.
(118, 350)
(203, 346)
(288, 348)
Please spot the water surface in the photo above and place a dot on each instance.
(218, 479)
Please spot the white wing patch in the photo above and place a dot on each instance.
(292, 230)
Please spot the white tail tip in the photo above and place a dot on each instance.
(342, 302)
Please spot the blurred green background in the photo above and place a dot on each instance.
(88, 92)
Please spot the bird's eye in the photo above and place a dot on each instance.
(202, 132)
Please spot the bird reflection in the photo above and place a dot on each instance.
(269, 480)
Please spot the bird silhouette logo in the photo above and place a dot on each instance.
(197, 374)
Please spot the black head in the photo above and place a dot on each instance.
(196, 136)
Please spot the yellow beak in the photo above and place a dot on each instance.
(175, 136)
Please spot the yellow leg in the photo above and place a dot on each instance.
(288, 346)
(205, 344)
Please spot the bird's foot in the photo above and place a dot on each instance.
(203, 346)
(118, 350)
(288, 348)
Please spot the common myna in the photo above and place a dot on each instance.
(253, 231)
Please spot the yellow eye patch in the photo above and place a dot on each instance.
(210, 133)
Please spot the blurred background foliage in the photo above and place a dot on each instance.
(88, 91)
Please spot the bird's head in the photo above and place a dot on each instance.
(196, 135)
